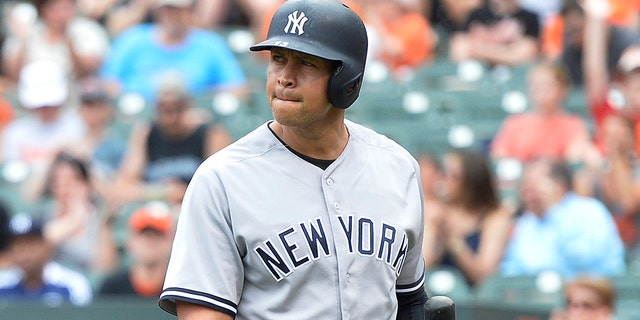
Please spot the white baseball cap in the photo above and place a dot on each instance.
(630, 59)
(42, 84)
(174, 3)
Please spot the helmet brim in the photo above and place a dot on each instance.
(313, 48)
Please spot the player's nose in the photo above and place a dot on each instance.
(287, 75)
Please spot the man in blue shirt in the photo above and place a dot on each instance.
(560, 230)
(37, 277)
(143, 54)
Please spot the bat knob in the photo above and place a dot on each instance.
(440, 308)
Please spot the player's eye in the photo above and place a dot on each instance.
(308, 63)
(276, 57)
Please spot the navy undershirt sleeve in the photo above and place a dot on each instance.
(411, 305)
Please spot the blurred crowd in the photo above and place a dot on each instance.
(99, 204)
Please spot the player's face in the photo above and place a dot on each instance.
(297, 88)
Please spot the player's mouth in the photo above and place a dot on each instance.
(286, 98)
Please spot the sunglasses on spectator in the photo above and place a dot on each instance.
(582, 305)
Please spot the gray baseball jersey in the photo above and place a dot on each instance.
(264, 234)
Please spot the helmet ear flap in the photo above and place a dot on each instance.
(343, 92)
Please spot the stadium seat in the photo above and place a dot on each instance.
(447, 281)
(12, 176)
(628, 293)
(543, 290)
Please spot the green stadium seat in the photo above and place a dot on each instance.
(544, 290)
(447, 281)
(627, 289)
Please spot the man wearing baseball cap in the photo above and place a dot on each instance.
(150, 236)
(35, 138)
(143, 54)
(42, 279)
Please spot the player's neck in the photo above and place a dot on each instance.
(326, 143)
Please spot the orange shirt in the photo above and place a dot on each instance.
(6, 112)
(553, 36)
(599, 112)
(414, 32)
(623, 13)
(529, 135)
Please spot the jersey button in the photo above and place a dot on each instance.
(336, 205)
(329, 181)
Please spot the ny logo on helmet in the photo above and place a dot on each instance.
(296, 23)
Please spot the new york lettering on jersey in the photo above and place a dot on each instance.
(307, 242)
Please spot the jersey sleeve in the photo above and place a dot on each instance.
(205, 267)
(412, 274)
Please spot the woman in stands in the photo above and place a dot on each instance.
(471, 232)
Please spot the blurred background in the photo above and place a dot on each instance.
(524, 116)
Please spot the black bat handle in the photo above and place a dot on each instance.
(440, 308)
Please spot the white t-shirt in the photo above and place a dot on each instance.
(88, 38)
(35, 142)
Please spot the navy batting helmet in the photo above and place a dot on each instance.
(327, 29)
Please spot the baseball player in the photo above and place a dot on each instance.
(310, 216)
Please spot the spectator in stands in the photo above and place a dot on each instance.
(7, 114)
(76, 221)
(547, 130)
(102, 147)
(577, 40)
(588, 298)
(210, 14)
(559, 230)
(6, 262)
(217, 14)
(96, 10)
(36, 137)
(144, 53)
(502, 33)
(129, 13)
(617, 183)
(617, 126)
(163, 155)
(472, 230)
(544, 9)
(623, 14)
(148, 246)
(41, 279)
(432, 177)
(600, 80)
(403, 36)
(451, 15)
(75, 43)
